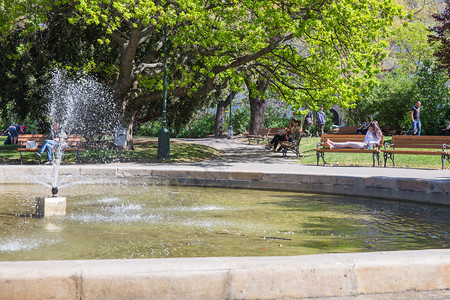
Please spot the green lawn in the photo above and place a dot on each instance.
(146, 150)
(346, 159)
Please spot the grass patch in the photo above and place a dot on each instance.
(145, 152)
(308, 145)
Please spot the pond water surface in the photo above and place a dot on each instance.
(145, 221)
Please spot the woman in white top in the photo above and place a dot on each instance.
(373, 137)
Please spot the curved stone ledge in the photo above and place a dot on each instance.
(377, 275)
(423, 190)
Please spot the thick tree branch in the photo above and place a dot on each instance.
(126, 64)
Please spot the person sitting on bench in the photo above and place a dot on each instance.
(364, 127)
(373, 137)
(291, 132)
(59, 140)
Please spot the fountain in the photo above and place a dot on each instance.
(79, 104)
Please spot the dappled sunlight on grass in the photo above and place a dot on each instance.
(179, 152)
(145, 151)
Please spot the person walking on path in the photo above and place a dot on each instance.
(415, 119)
(309, 119)
(320, 121)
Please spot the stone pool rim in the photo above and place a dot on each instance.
(362, 183)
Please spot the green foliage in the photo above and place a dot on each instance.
(148, 129)
(203, 123)
(408, 45)
(240, 117)
(433, 93)
(276, 113)
(201, 126)
(439, 36)
(391, 101)
(311, 51)
(24, 76)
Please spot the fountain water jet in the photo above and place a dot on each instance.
(80, 105)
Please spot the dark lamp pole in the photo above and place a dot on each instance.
(163, 134)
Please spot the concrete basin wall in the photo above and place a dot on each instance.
(379, 275)
(432, 190)
(421, 190)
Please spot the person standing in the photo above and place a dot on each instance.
(320, 121)
(13, 133)
(309, 119)
(415, 119)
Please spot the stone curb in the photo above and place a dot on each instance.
(391, 274)
(423, 190)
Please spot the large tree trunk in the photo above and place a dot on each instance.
(257, 103)
(128, 120)
(221, 106)
(218, 128)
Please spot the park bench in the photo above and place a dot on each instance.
(348, 130)
(264, 134)
(294, 146)
(261, 135)
(417, 145)
(322, 148)
(73, 143)
(275, 130)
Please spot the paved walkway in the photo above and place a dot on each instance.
(239, 156)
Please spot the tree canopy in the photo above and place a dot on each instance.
(309, 51)
(439, 36)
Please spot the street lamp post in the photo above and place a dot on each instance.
(163, 134)
(230, 127)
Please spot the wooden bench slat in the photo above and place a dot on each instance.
(423, 142)
(421, 137)
(320, 151)
(415, 152)
(264, 134)
(407, 144)
(422, 146)
(347, 130)
(348, 150)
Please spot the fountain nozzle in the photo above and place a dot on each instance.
(54, 191)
